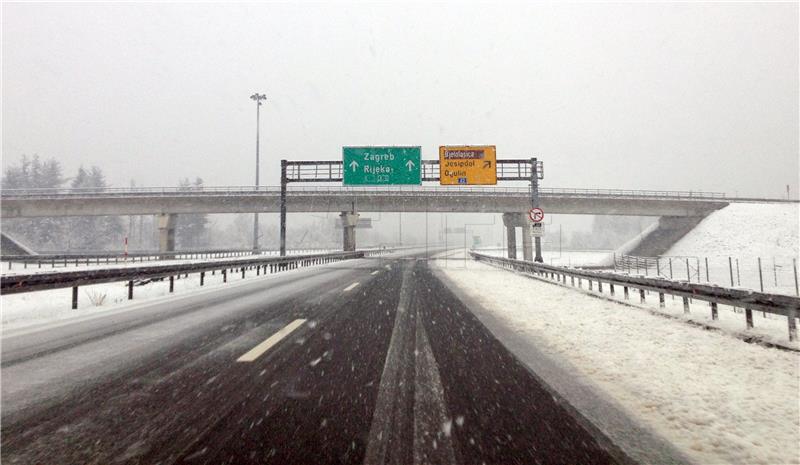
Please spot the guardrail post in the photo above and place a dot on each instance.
(600, 286)
(130, 290)
(171, 283)
(685, 305)
(611, 288)
(641, 295)
(75, 297)
(572, 280)
(748, 315)
(590, 284)
(225, 275)
(625, 292)
(661, 299)
(792, 325)
(580, 283)
(258, 270)
(202, 277)
(714, 313)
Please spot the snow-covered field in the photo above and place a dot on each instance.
(745, 232)
(717, 398)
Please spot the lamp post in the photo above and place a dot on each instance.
(258, 98)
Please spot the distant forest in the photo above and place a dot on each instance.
(107, 233)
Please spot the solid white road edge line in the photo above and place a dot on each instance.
(351, 287)
(258, 350)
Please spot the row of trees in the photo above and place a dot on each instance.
(88, 232)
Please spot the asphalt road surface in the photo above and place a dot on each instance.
(367, 361)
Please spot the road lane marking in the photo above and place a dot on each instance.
(258, 350)
(433, 426)
(388, 414)
(375, 272)
(351, 287)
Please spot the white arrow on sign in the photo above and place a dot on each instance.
(353, 165)
(410, 164)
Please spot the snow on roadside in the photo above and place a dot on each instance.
(745, 230)
(716, 398)
(20, 310)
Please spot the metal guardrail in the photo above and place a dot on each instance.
(319, 190)
(16, 284)
(776, 304)
(98, 258)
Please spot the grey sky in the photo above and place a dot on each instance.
(644, 96)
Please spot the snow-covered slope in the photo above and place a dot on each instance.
(744, 230)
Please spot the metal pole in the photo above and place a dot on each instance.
(535, 204)
(258, 98)
(707, 278)
(738, 276)
(775, 271)
(760, 275)
(730, 267)
(255, 215)
(283, 208)
(794, 265)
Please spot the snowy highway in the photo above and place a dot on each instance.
(367, 361)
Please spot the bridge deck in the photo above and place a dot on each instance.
(247, 199)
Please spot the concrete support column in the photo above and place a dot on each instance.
(166, 232)
(510, 223)
(527, 245)
(511, 239)
(349, 222)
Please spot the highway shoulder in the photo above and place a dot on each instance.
(599, 414)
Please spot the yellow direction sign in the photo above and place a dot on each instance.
(467, 164)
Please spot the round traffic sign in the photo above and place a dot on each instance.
(536, 215)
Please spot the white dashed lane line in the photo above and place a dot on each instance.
(351, 287)
(258, 350)
(375, 272)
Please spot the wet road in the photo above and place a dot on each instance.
(368, 361)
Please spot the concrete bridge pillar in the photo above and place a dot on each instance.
(511, 234)
(512, 221)
(166, 232)
(349, 222)
(527, 248)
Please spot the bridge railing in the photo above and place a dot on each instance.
(326, 190)
(15, 284)
(776, 304)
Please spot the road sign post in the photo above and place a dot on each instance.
(468, 165)
(370, 166)
(535, 204)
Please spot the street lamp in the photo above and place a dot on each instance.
(258, 98)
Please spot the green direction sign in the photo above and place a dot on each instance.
(381, 165)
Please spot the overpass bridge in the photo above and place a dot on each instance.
(33, 203)
(679, 211)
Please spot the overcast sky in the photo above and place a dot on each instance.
(644, 96)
